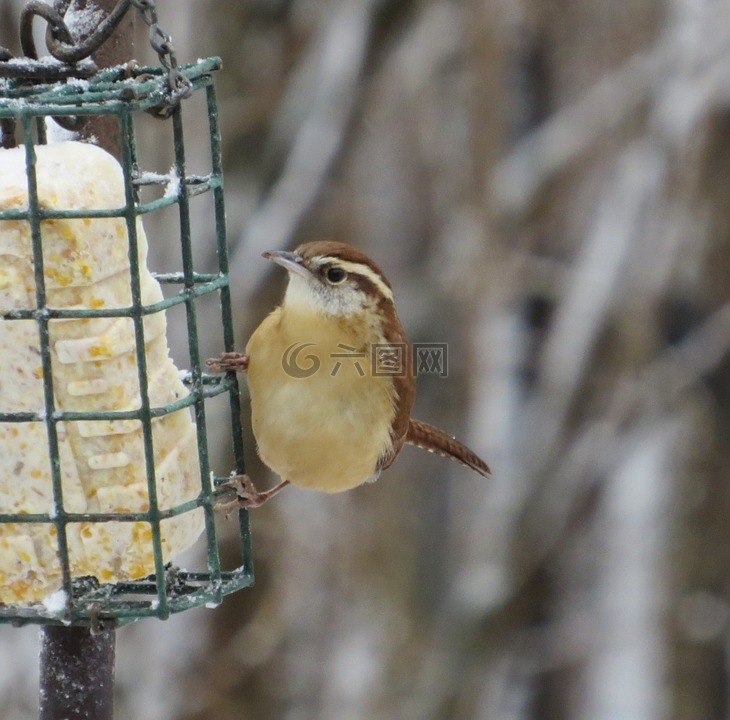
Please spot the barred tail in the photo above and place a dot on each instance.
(433, 439)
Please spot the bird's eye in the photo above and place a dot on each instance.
(336, 275)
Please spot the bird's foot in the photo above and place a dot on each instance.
(228, 362)
(247, 496)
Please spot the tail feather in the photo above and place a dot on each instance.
(433, 439)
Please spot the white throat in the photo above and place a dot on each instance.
(308, 296)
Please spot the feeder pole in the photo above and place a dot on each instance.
(76, 664)
(117, 50)
(77, 674)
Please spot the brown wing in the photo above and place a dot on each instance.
(433, 439)
(404, 387)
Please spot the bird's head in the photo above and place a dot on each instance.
(333, 278)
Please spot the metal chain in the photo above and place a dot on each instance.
(180, 87)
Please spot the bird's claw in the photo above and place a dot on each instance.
(228, 362)
(234, 494)
(247, 496)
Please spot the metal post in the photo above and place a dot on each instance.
(76, 666)
(116, 50)
(77, 674)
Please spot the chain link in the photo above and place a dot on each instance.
(180, 87)
(57, 29)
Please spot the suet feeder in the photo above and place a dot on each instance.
(106, 475)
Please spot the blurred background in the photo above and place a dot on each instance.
(547, 185)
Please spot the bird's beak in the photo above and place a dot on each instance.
(293, 262)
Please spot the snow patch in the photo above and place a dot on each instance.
(83, 21)
(56, 134)
(55, 603)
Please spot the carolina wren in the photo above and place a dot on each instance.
(325, 416)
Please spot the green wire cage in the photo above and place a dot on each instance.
(124, 94)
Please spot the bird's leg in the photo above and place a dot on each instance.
(227, 362)
(247, 496)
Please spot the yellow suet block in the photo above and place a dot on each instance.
(102, 463)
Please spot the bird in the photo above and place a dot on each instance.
(331, 379)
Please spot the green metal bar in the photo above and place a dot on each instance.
(148, 516)
(227, 314)
(193, 348)
(106, 86)
(213, 386)
(45, 350)
(196, 187)
(178, 277)
(99, 517)
(113, 603)
(80, 415)
(128, 160)
(116, 96)
(205, 288)
(40, 128)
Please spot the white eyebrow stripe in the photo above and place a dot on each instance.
(360, 269)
